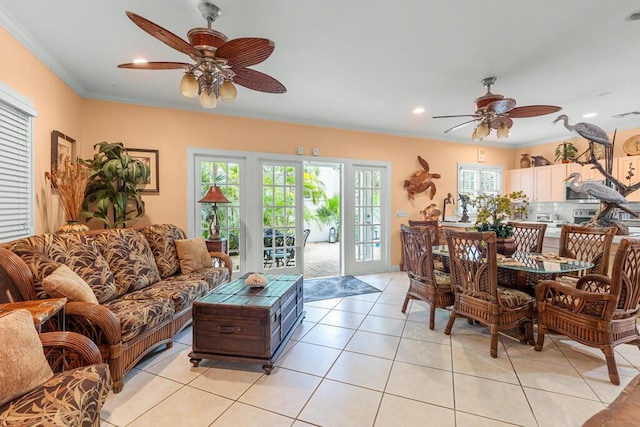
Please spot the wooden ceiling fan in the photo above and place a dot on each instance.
(218, 63)
(494, 111)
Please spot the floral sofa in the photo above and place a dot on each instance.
(144, 298)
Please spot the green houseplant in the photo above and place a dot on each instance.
(566, 152)
(493, 212)
(112, 195)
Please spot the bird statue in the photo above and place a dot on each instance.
(595, 189)
(586, 130)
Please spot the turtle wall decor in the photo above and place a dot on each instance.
(421, 181)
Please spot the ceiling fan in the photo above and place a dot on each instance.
(218, 63)
(494, 111)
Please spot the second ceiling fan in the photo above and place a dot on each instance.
(494, 111)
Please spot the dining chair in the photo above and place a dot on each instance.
(477, 296)
(600, 311)
(592, 244)
(529, 236)
(438, 263)
(425, 283)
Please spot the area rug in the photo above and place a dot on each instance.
(335, 287)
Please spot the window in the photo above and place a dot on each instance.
(474, 179)
(16, 165)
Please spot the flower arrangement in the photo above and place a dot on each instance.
(71, 183)
(493, 211)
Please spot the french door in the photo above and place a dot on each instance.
(263, 222)
(366, 219)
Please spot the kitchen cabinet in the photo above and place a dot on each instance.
(522, 180)
(588, 172)
(549, 183)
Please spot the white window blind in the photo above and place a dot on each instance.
(16, 207)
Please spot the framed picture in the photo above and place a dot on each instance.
(149, 158)
(62, 146)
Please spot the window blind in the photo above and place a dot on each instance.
(16, 216)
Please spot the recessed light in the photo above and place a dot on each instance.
(635, 16)
(418, 110)
(140, 61)
(586, 116)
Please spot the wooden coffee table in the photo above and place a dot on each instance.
(240, 323)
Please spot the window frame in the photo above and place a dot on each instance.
(478, 168)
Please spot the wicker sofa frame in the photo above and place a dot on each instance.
(97, 322)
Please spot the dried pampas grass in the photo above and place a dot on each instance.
(71, 183)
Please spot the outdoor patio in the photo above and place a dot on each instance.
(321, 259)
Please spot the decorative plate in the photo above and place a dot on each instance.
(632, 146)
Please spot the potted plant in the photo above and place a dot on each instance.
(566, 152)
(493, 212)
(112, 194)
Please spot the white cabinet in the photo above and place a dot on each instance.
(522, 180)
(588, 172)
(549, 183)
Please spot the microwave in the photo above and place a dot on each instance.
(571, 195)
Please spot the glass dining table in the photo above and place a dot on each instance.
(523, 270)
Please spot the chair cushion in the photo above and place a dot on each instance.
(193, 254)
(443, 280)
(214, 276)
(512, 298)
(23, 365)
(568, 280)
(130, 258)
(71, 398)
(161, 238)
(139, 316)
(64, 282)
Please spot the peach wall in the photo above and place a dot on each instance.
(173, 131)
(57, 107)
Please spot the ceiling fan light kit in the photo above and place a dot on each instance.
(494, 111)
(220, 63)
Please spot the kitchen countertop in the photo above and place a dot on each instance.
(554, 232)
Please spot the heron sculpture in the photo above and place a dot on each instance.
(595, 189)
(586, 130)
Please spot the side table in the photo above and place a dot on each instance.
(217, 245)
(41, 310)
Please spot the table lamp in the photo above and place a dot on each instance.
(215, 196)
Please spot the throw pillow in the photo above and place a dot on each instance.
(64, 282)
(193, 254)
(23, 365)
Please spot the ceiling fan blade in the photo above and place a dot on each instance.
(155, 65)
(458, 115)
(256, 80)
(502, 106)
(244, 52)
(461, 125)
(533, 111)
(164, 35)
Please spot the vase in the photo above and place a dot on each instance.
(525, 161)
(72, 227)
(506, 245)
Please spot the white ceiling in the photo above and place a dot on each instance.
(363, 64)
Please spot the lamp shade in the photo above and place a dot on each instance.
(189, 85)
(228, 92)
(214, 195)
(208, 99)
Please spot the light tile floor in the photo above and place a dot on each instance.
(359, 361)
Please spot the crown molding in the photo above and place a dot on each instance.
(16, 29)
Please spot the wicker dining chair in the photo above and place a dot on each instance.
(425, 283)
(600, 311)
(592, 244)
(474, 276)
(529, 237)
